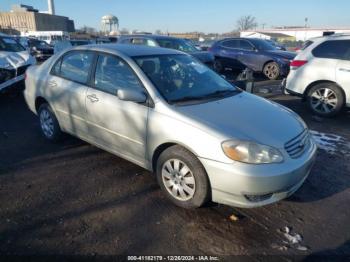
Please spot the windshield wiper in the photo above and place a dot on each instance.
(220, 93)
(216, 94)
(187, 98)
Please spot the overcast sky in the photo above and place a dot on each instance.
(197, 15)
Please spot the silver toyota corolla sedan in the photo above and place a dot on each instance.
(161, 109)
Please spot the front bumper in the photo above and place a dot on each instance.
(248, 186)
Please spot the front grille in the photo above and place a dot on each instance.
(21, 70)
(297, 146)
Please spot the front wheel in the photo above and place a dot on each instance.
(48, 123)
(182, 178)
(325, 99)
(272, 70)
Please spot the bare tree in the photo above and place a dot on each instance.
(87, 30)
(246, 22)
(158, 32)
(124, 31)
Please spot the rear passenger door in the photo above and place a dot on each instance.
(67, 86)
(118, 125)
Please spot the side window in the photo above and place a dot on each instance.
(138, 41)
(230, 44)
(245, 45)
(112, 73)
(334, 49)
(57, 67)
(75, 66)
(150, 42)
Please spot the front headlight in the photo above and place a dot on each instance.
(251, 152)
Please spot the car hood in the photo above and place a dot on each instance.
(283, 54)
(15, 59)
(203, 56)
(246, 117)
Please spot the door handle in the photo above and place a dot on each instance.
(344, 70)
(240, 53)
(93, 98)
(52, 83)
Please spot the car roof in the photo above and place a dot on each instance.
(129, 50)
(150, 36)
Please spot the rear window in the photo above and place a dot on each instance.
(333, 49)
(306, 45)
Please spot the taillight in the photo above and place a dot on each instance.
(295, 64)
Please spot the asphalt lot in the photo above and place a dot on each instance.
(74, 199)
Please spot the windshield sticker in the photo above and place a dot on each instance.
(199, 67)
(9, 41)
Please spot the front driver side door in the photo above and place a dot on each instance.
(119, 125)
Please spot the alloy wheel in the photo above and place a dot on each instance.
(324, 100)
(271, 70)
(46, 123)
(178, 179)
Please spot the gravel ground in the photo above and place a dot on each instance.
(74, 199)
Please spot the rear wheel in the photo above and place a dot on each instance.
(182, 177)
(48, 123)
(272, 70)
(325, 99)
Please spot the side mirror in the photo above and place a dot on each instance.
(131, 95)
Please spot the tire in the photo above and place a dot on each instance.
(193, 190)
(218, 66)
(271, 70)
(49, 125)
(325, 99)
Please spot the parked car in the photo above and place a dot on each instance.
(40, 49)
(14, 60)
(277, 45)
(169, 42)
(77, 42)
(255, 54)
(164, 110)
(321, 74)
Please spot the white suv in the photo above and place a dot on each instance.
(321, 74)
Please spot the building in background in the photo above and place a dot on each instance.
(23, 18)
(292, 34)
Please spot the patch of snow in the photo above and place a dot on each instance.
(331, 143)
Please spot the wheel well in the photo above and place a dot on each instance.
(266, 64)
(160, 149)
(321, 82)
(39, 101)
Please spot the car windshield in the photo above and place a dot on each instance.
(178, 44)
(263, 45)
(9, 44)
(181, 78)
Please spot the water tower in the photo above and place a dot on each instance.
(110, 24)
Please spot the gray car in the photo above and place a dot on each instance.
(161, 109)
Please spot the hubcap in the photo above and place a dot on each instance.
(178, 179)
(271, 71)
(324, 100)
(46, 123)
